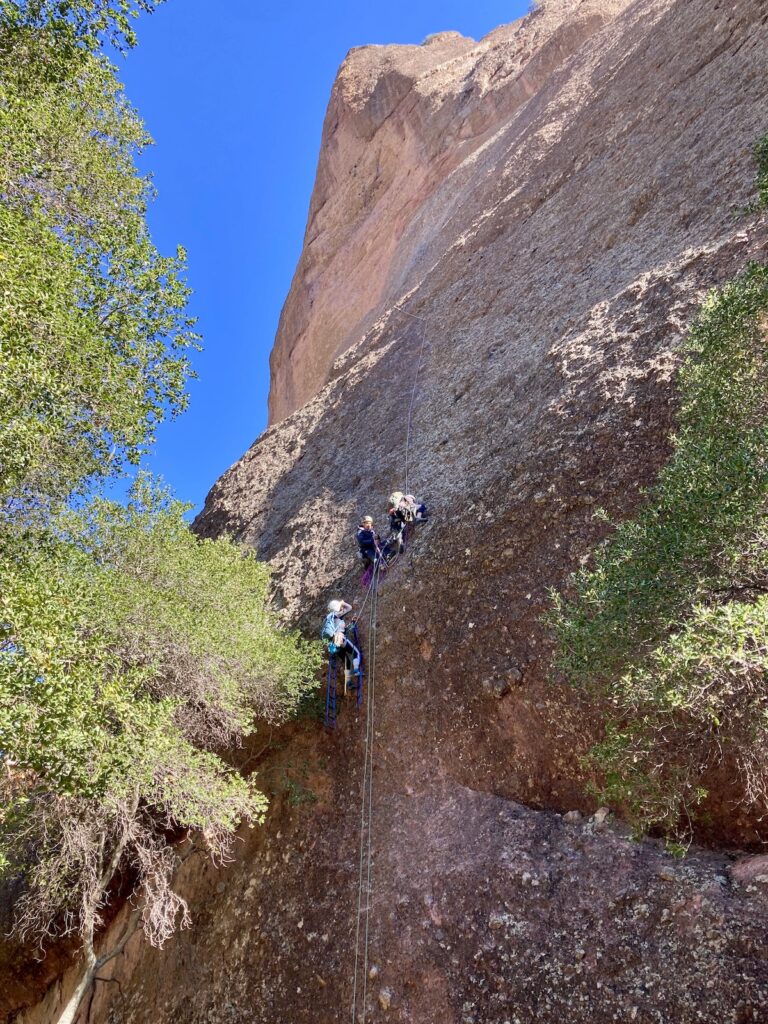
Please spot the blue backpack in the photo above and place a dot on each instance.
(328, 631)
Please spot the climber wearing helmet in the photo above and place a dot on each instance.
(369, 542)
(338, 643)
(398, 520)
(403, 509)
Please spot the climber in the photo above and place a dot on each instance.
(368, 542)
(370, 550)
(403, 509)
(338, 643)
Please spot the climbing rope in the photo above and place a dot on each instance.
(376, 564)
(365, 874)
(366, 811)
(369, 885)
(424, 322)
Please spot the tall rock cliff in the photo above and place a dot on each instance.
(405, 128)
(513, 234)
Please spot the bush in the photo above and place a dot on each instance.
(130, 653)
(761, 183)
(668, 626)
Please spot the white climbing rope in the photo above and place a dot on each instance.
(376, 563)
(369, 882)
(365, 875)
(424, 322)
(366, 810)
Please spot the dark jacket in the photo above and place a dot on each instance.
(369, 541)
(398, 518)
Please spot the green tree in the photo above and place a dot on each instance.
(669, 625)
(80, 23)
(94, 334)
(132, 653)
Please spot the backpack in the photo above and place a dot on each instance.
(331, 633)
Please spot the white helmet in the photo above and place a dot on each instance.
(334, 607)
(410, 499)
(395, 498)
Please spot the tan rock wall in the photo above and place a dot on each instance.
(400, 121)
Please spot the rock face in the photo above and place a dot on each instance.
(511, 236)
(404, 127)
(484, 912)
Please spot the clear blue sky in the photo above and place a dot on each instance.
(235, 102)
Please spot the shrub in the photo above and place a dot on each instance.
(668, 625)
(132, 653)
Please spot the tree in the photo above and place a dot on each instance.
(132, 653)
(92, 319)
(669, 624)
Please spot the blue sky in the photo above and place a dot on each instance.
(235, 103)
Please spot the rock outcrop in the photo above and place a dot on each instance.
(404, 127)
(514, 234)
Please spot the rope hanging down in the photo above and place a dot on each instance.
(369, 880)
(366, 812)
(413, 389)
(365, 876)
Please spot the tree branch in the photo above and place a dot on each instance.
(120, 947)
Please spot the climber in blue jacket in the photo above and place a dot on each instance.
(334, 634)
(368, 542)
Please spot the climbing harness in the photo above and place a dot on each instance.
(367, 578)
(379, 568)
(379, 558)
